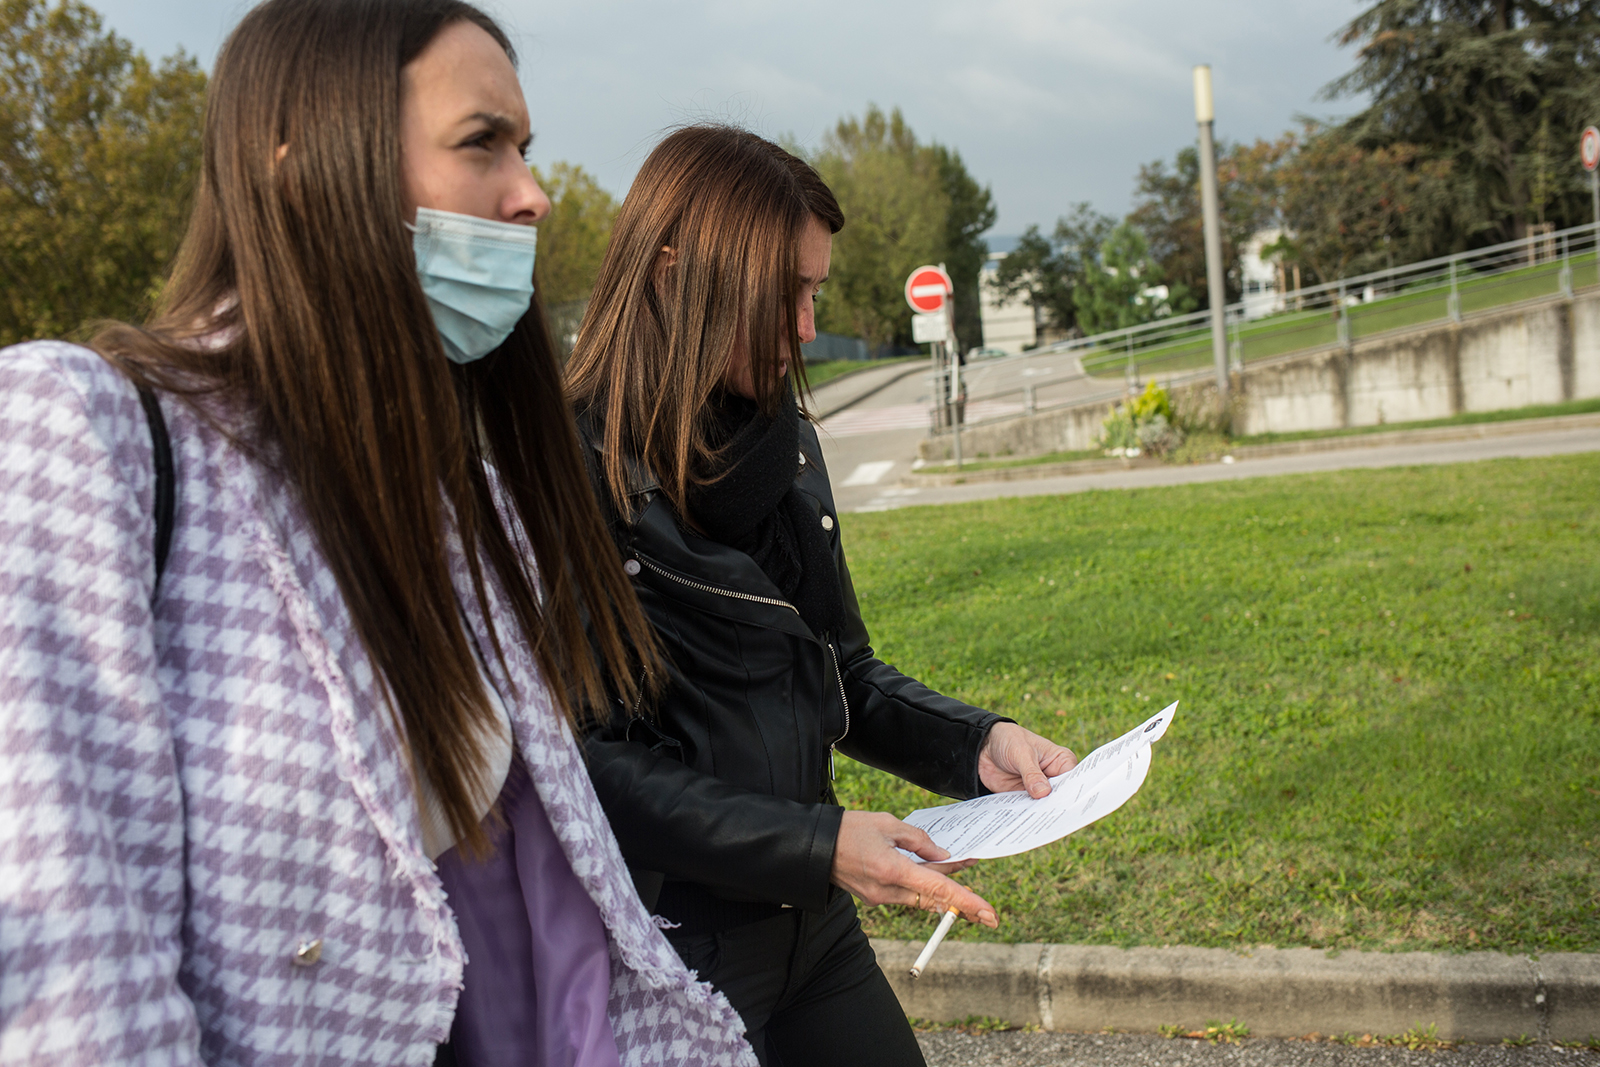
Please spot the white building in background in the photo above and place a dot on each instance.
(1263, 280)
(1008, 325)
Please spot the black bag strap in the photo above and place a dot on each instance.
(161, 448)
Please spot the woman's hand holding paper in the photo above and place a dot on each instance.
(1014, 758)
(868, 862)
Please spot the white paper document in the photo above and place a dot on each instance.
(1003, 824)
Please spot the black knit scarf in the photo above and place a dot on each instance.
(747, 500)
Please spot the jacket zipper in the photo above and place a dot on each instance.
(844, 701)
(714, 589)
(837, 676)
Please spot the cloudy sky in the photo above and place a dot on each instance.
(1049, 101)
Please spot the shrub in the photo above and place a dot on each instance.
(1143, 426)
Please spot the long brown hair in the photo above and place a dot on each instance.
(302, 266)
(655, 343)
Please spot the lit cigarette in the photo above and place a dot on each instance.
(945, 924)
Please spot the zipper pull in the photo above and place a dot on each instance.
(831, 776)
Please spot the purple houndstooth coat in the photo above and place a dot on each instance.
(194, 795)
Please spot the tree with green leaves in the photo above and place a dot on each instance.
(1115, 292)
(1352, 208)
(1497, 89)
(1049, 271)
(1167, 211)
(99, 158)
(572, 241)
(573, 238)
(970, 212)
(905, 204)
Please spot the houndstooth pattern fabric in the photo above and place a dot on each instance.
(189, 793)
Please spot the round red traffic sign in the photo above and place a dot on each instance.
(1589, 148)
(927, 289)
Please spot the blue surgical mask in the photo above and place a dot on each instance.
(477, 275)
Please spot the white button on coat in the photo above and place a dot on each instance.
(631, 567)
(827, 522)
(802, 459)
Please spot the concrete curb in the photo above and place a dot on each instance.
(1475, 996)
(1027, 473)
(1470, 432)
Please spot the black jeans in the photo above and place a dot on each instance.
(808, 988)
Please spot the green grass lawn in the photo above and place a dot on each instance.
(826, 370)
(1389, 734)
(1292, 331)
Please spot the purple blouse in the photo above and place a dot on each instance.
(538, 970)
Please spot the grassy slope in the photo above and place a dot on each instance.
(1292, 331)
(1377, 747)
(826, 370)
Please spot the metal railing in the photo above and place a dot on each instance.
(1178, 348)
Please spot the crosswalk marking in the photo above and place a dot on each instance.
(869, 473)
(875, 420)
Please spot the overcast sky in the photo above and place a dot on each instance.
(1048, 101)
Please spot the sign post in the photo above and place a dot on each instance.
(927, 289)
(1589, 149)
(928, 292)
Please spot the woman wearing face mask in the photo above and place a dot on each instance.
(296, 581)
(721, 789)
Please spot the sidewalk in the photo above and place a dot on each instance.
(1522, 445)
(945, 475)
(1474, 996)
(1098, 1049)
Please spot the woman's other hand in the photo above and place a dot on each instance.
(867, 862)
(1014, 758)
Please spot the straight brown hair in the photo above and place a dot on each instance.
(656, 341)
(294, 296)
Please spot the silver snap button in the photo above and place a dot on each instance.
(307, 953)
(631, 567)
(827, 522)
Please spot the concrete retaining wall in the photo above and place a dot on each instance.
(1476, 996)
(1066, 430)
(1538, 352)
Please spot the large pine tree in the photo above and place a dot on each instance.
(1500, 89)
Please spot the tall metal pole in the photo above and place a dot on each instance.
(1204, 114)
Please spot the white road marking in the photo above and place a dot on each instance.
(869, 473)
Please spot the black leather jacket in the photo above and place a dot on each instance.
(728, 784)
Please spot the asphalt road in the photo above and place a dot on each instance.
(870, 445)
(1016, 1049)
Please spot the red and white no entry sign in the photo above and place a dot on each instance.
(1589, 148)
(927, 289)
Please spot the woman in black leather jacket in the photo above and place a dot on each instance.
(720, 791)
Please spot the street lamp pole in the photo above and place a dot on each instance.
(1204, 114)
